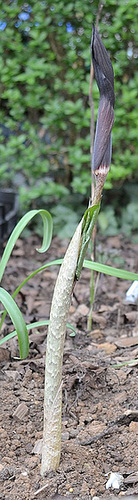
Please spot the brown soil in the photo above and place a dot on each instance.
(100, 414)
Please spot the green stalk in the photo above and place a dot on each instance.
(89, 221)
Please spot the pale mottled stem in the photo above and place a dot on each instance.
(54, 355)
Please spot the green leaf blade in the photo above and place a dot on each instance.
(111, 271)
(36, 324)
(18, 321)
(47, 230)
(47, 235)
(42, 268)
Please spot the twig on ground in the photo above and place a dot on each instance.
(124, 419)
(40, 489)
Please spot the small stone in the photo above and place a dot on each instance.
(32, 462)
(37, 450)
(133, 427)
(4, 354)
(24, 474)
(21, 411)
(3, 434)
(73, 433)
(92, 493)
(108, 347)
(11, 453)
(6, 459)
(12, 374)
(6, 473)
(29, 447)
(72, 309)
(85, 488)
(65, 436)
(82, 310)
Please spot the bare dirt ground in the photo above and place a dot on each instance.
(100, 401)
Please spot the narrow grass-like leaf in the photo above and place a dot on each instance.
(101, 268)
(47, 235)
(111, 271)
(36, 324)
(52, 263)
(131, 362)
(42, 268)
(18, 321)
(95, 266)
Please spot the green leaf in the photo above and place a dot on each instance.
(36, 324)
(18, 321)
(42, 268)
(47, 235)
(95, 266)
(52, 263)
(111, 271)
(132, 362)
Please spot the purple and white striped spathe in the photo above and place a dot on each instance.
(105, 80)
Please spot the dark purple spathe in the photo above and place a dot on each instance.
(105, 80)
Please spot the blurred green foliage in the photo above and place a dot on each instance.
(122, 214)
(44, 88)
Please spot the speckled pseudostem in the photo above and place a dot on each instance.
(54, 356)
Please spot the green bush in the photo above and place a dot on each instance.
(45, 114)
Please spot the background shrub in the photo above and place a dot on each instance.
(44, 88)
